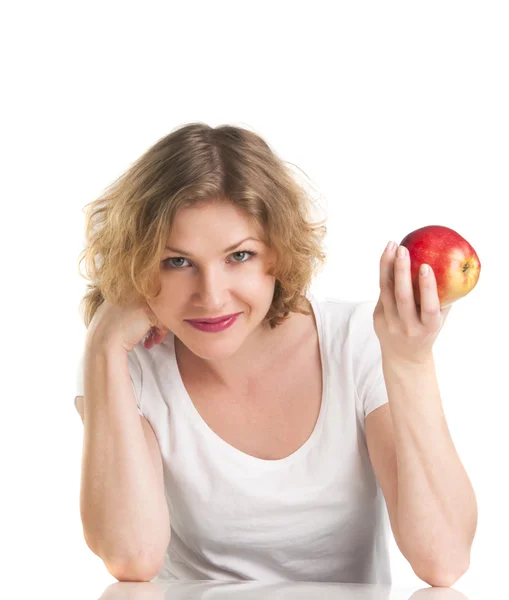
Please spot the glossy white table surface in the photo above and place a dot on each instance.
(253, 590)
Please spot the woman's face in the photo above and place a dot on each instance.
(208, 274)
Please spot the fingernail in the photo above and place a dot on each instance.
(390, 246)
(401, 253)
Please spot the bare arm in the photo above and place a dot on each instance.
(123, 506)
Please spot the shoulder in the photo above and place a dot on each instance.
(345, 315)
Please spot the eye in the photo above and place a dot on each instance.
(168, 265)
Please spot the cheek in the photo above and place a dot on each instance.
(257, 284)
(259, 291)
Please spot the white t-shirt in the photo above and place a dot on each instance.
(316, 515)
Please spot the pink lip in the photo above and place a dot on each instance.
(215, 320)
(215, 327)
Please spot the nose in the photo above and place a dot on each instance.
(213, 290)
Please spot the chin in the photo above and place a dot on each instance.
(201, 342)
(219, 351)
(217, 346)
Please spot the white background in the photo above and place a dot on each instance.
(396, 111)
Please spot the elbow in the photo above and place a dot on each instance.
(440, 577)
(139, 569)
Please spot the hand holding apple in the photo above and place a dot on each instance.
(412, 308)
(454, 262)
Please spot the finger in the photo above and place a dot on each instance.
(149, 339)
(403, 289)
(160, 335)
(430, 303)
(387, 286)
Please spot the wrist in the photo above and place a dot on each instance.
(401, 364)
(99, 346)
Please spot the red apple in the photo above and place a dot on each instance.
(454, 262)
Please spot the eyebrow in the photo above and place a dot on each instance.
(232, 247)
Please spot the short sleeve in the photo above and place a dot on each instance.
(135, 373)
(367, 360)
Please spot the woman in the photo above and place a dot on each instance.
(236, 451)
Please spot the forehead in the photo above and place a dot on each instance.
(215, 219)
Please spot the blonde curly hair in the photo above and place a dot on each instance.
(128, 226)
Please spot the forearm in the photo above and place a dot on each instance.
(124, 514)
(437, 509)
